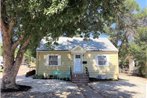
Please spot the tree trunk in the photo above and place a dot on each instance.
(10, 73)
(11, 63)
(11, 66)
(131, 64)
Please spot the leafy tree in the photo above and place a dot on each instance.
(124, 29)
(127, 32)
(138, 49)
(25, 23)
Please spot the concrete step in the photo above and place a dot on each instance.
(79, 81)
(80, 78)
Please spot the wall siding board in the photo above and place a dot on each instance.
(67, 59)
(45, 68)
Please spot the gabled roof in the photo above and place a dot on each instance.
(66, 43)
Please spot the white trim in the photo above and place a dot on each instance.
(81, 51)
(59, 59)
(107, 57)
(81, 63)
(46, 59)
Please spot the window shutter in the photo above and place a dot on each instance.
(59, 59)
(96, 60)
(46, 57)
(107, 60)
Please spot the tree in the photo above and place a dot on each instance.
(128, 28)
(1, 49)
(25, 23)
(138, 49)
(124, 29)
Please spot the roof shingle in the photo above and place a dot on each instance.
(66, 43)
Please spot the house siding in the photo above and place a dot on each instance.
(43, 68)
(104, 72)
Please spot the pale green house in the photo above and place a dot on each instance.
(75, 57)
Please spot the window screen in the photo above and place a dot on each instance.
(102, 60)
(53, 60)
(78, 56)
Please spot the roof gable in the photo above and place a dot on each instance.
(78, 49)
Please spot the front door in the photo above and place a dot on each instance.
(78, 66)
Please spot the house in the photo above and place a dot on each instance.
(73, 57)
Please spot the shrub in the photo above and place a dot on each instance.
(143, 71)
(38, 77)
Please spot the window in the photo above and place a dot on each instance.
(54, 60)
(78, 56)
(102, 60)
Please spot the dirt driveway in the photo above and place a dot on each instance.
(126, 87)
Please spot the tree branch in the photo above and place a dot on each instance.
(21, 51)
(5, 36)
(16, 43)
(3, 28)
(25, 44)
(11, 25)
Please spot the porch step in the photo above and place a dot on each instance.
(80, 78)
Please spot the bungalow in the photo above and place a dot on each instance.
(78, 58)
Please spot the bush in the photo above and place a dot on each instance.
(38, 77)
(143, 71)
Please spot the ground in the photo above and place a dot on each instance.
(126, 87)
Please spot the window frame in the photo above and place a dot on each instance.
(58, 58)
(107, 58)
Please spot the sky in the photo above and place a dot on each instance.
(142, 4)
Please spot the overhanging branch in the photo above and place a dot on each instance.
(25, 44)
(11, 25)
(21, 51)
(16, 43)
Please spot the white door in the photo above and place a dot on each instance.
(78, 67)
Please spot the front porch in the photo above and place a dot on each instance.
(80, 78)
(79, 72)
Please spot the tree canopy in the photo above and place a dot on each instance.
(138, 49)
(128, 34)
(25, 23)
(37, 18)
